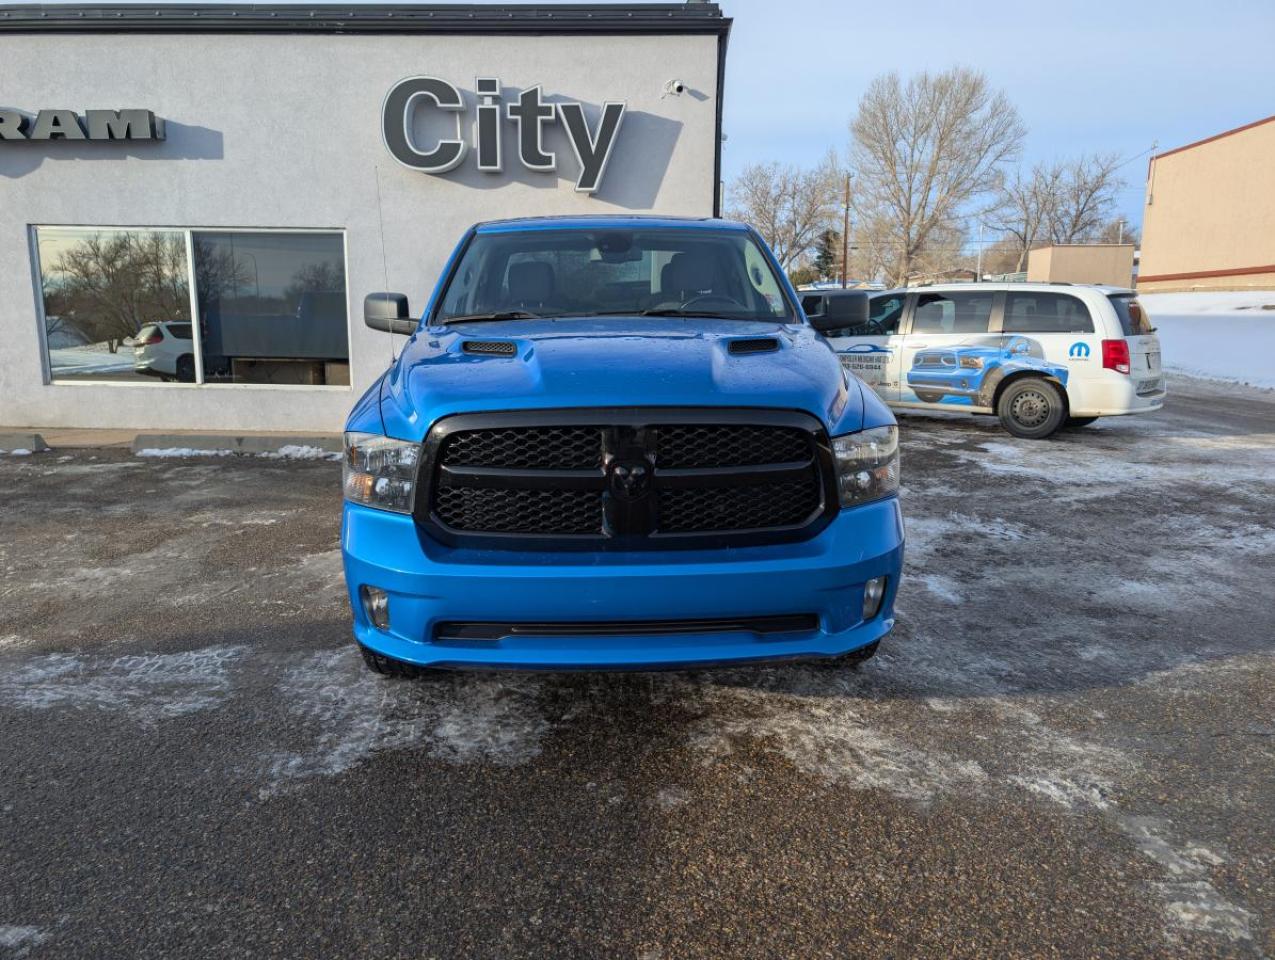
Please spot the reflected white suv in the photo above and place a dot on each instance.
(165, 349)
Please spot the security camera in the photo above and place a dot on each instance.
(675, 87)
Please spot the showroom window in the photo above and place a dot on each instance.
(269, 306)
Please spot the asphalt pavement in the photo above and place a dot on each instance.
(1065, 749)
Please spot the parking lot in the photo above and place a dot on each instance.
(1066, 748)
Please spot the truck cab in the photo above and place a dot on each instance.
(616, 443)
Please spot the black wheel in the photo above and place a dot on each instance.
(854, 659)
(186, 369)
(1080, 421)
(385, 666)
(928, 396)
(1032, 409)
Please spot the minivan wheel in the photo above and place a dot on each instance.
(1032, 409)
(186, 369)
(1080, 421)
(385, 666)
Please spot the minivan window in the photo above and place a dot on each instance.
(952, 313)
(1046, 313)
(1133, 319)
(614, 271)
(182, 331)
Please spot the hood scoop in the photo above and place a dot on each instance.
(490, 348)
(753, 345)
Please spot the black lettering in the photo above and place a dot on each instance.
(530, 113)
(591, 152)
(398, 113)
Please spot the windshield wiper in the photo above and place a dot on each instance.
(675, 312)
(500, 315)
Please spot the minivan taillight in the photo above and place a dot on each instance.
(1115, 355)
(158, 337)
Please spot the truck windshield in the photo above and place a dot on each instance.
(614, 272)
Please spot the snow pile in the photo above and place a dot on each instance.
(1226, 336)
(182, 452)
(293, 451)
(19, 452)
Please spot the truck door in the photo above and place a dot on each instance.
(872, 351)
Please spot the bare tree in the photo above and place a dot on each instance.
(925, 149)
(1086, 198)
(1026, 208)
(790, 207)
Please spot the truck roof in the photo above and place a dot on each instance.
(604, 221)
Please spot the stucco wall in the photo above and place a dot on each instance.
(1210, 215)
(284, 131)
(1108, 263)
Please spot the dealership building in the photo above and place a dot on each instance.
(1209, 222)
(194, 200)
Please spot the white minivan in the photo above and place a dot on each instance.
(1041, 356)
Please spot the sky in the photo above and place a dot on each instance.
(1086, 75)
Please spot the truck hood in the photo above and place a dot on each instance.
(614, 362)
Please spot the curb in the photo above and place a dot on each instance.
(23, 441)
(213, 442)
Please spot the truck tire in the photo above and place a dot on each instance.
(1080, 421)
(1031, 408)
(928, 396)
(385, 666)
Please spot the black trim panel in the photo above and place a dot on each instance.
(490, 632)
(586, 18)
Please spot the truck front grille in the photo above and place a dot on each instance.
(625, 479)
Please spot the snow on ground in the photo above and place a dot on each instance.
(1220, 336)
(90, 358)
(289, 451)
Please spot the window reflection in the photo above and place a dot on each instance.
(272, 307)
(101, 289)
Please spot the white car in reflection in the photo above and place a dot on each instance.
(165, 349)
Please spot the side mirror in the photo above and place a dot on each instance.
(388, 312)
(840, 311)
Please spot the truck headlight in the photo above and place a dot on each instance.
(975, 363)
(380, 472)
(867, 465)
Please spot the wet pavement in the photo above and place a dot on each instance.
(1066, 748)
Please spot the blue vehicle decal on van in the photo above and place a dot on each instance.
(968, 372)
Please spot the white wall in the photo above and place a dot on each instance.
(284, 131)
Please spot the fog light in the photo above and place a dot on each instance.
(873, 594)
(376, 604)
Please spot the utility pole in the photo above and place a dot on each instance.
(1120, 231)
(845, 235)
(979, 271)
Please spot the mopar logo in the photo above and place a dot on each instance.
(1079, 350)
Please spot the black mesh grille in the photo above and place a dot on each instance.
(757, 507)
(526, 448)
(519, 511)
(694, 445)
(754, 345)
(499, 348)
(755, 477)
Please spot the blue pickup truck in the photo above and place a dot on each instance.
(616, 443)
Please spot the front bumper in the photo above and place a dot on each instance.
(429, 583)
(964, 384)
